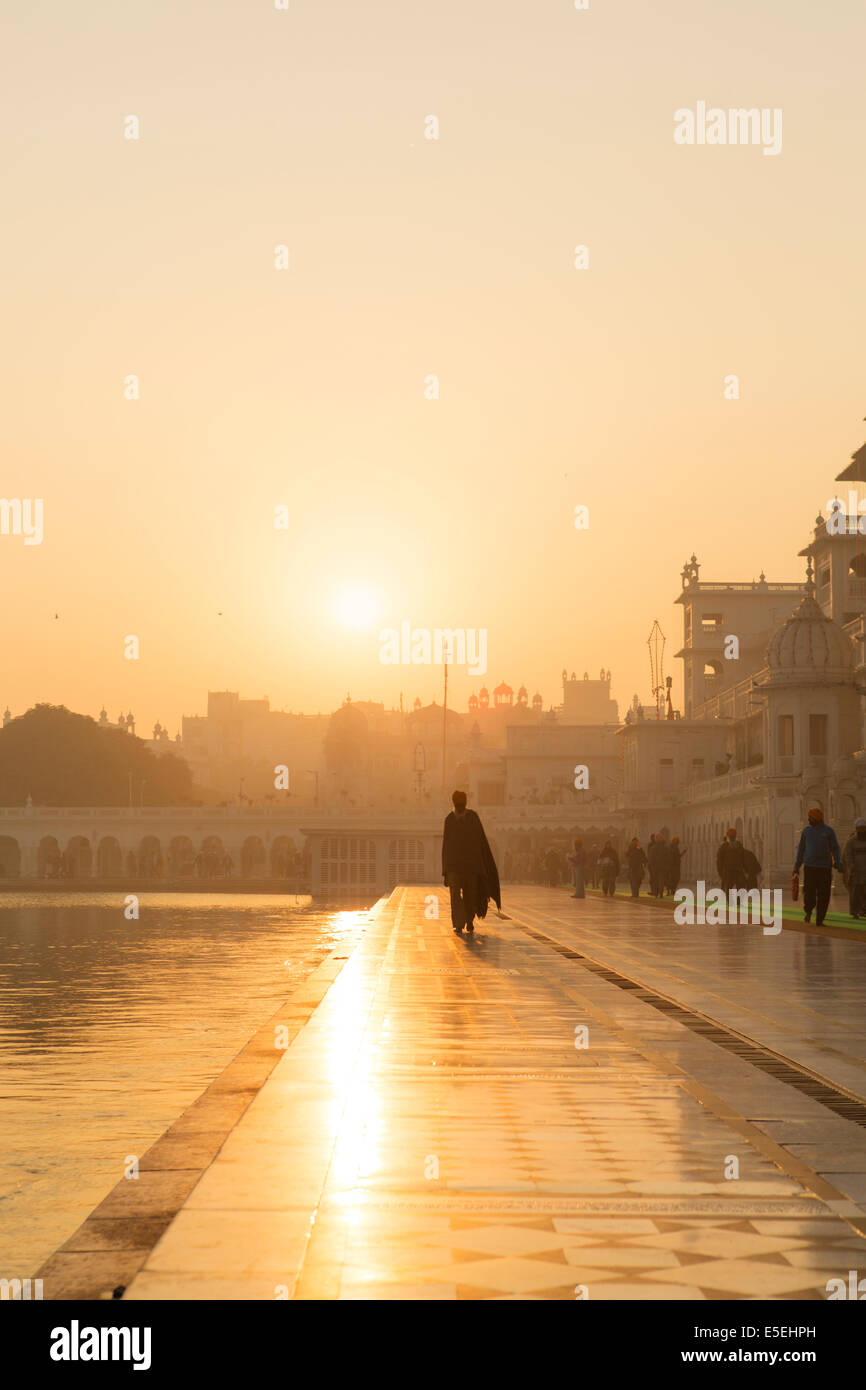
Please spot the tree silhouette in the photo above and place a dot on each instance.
(64, 759)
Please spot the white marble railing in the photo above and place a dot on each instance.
(570, 810)
(729, 782)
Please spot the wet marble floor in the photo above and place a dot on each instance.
(482, 1118)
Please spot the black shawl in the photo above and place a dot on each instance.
(476, 858)
(488, 881)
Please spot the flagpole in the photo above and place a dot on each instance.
(444, 724)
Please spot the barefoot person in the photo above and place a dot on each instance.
(468, 866)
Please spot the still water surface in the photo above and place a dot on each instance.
(110, 1028)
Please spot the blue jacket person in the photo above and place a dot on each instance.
(818, 852)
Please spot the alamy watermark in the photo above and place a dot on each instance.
(77, 1343)
(423, 646)
(855, 1290)
(738, 907)
(714, 125)
(841, 522)
(22, 516)
(18, 1289)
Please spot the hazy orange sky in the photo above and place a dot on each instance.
(412, 257)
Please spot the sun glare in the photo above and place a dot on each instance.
(356, 608)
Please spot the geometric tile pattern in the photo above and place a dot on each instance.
(494, 1259)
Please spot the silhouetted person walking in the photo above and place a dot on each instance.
(818, 851)
(673, 864)
(551, 867)
(577, 860)
(854, 861)
(608, 867)
(657, 858)
(637, 862)
(592, 866)
(730, 863)
(751, 868)
(468, 866)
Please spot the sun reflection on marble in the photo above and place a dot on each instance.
(351, 1069)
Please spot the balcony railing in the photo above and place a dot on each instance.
(702, 586)
(734, 703)
(553, 812)
(728, 782)
(629, 800)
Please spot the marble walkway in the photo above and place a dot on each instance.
(487, 1118)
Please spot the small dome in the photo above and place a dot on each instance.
(810, 646)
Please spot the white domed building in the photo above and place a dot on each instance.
(812, 725)
(774, 714)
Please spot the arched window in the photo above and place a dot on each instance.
(10, 857)
(253, 858)
(109, 858)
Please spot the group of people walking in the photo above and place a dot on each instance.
(551, 866)
(469, 869)
(663, 861)
(605, 865)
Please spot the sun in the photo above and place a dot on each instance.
(356, 607)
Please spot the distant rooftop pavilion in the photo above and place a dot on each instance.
(585, 699)
(839, 552)
(692, 582)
